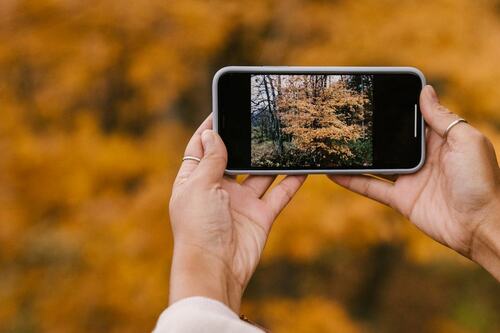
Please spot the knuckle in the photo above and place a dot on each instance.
(287, 191)
(477, 137)
(216, 158)
(223, 158)
(464, 133)
(442, 109)
(365, 189)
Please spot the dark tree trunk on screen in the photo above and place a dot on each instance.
(271, 99)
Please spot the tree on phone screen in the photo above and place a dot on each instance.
(311, 120)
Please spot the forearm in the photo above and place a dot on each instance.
(486, 244)
(197, 273)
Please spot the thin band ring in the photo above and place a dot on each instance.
(191, 158)
(453, 124)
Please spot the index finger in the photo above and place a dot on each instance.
(194, 148)
(279, 196)
(369, 186)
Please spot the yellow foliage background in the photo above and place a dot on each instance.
(97, 101)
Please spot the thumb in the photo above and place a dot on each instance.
(436, 116)
(214, 160)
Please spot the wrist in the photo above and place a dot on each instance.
(485, 249)
(196, 272)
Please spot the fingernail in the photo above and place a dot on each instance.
(206, 138)
(432, 94)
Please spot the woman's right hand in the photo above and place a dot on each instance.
(455, 197)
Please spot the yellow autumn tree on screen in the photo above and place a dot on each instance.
(325, 120)
(311, 120)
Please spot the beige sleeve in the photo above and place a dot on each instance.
(200, 314)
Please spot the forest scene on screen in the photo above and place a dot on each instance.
(317, 121)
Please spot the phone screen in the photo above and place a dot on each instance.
(320, 121)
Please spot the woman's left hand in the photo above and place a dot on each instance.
(220, 226)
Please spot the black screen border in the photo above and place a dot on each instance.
(232, 92)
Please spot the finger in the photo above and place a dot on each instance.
(388, 178)
(213, 164)
(231, 178)
(373, 188)
(434, 142)
(258, 184)
(193, 148)
(279, 196)
(436, 116)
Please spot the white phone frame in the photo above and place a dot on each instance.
(316, 69)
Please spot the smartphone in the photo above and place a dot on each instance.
(331, 120)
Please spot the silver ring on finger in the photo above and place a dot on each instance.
(453, 124)
(191, 158)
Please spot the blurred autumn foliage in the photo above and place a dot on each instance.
(98, 98)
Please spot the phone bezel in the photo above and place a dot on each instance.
(317, 69)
